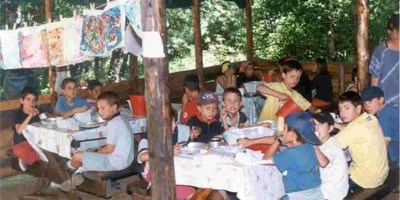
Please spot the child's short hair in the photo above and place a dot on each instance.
(291, 65)
(352, 97)
(354, 74)
(232, 90)
(111, 97)
(322, 66)
(393, 22)
(94, 83)
(66, 81)
(29, 90)
(192, 82)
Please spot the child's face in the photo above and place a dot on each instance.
(70, 90)
(322, 130)
(29, 102)
(288, 136)
(374, 105)
(249, 71)
(95, 92)
(208, 110)
(106, 111)
(348, 112)
(292, 78)
(232, 103)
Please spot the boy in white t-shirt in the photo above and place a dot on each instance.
(334, 174)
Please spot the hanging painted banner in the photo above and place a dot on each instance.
(10, 55)
(56, 52)
(32, 42)
(132, 10)
(71, 40)
(103, 31)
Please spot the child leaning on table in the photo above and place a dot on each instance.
(204, 124)
(334, 170)
(298, 163)
(69, 103)
(230, 114)
(182, 192)
(282, 91)
(27, 114)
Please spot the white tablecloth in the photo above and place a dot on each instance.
(250, 182)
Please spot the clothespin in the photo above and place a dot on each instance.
(108, 1)
(34, 23)
(6, 26)
(74, 13)
(25, 24)
(49, 20)
(92, 6)
(14, 26)
(60, 16)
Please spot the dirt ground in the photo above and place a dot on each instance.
(13, 187)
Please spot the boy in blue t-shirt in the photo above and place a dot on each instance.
(388, 117)
(68, 104)
(298, 162)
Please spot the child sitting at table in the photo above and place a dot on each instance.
(117, 154)
(27, 114)
(277, 93)
(230, 114)
(298, 163)
(182, 192)
(191, 86)
(69, 103)
(334, 170)
(364, 138)
(249, 75)
(94, 90)
(388, 117)
(227, 78)
(204, 125)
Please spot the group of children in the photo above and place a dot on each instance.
(313, 164)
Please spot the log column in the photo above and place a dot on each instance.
(249, 30)
(158, 105)
(362, 43)
(197, 41)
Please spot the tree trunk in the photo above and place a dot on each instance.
(158, 105)
(197, 41)
(249, 30)
(362, 43)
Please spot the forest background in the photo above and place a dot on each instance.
(304, 29)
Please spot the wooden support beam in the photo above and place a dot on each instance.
(134, 75)
(197, 41)
(342, 74)
(249, 30)
(362, 43)
(157, 105)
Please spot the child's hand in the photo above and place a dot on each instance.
(177, 150)
(265, 124)
(34, 112)
(283, 97)
(223, 114)
(195, 132)
(244, 142)
(81, 109)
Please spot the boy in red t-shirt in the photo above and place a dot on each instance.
(189, 99)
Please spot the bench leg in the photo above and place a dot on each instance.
(103, 188)
(41, 185)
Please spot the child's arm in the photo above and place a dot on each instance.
(144, 157)
(322, 159)
(263, 89)
(245, 142)
(70, 113)
(107, 149)
(223, 115)
(20, 127)
(272, 149)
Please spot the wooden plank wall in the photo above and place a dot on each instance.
(175, 83)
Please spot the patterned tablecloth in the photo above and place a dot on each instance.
(59, 140)
(219, 171)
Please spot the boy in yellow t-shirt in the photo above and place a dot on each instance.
(364, 138)
(279, 92)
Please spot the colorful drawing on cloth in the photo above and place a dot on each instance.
(33, 45)
(56, 54)
(132, 11)
(102, 31)
(9, 39)
(71, 40)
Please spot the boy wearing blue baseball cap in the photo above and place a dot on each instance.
(298, 163)
(388, 117)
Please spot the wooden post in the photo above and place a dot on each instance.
(342, 75)
(362, 42)
(96, 68)
(158, 105)
(52, 69)
(249, 30)
(197, 41)
(134, 74)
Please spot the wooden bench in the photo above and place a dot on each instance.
(100, 183)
